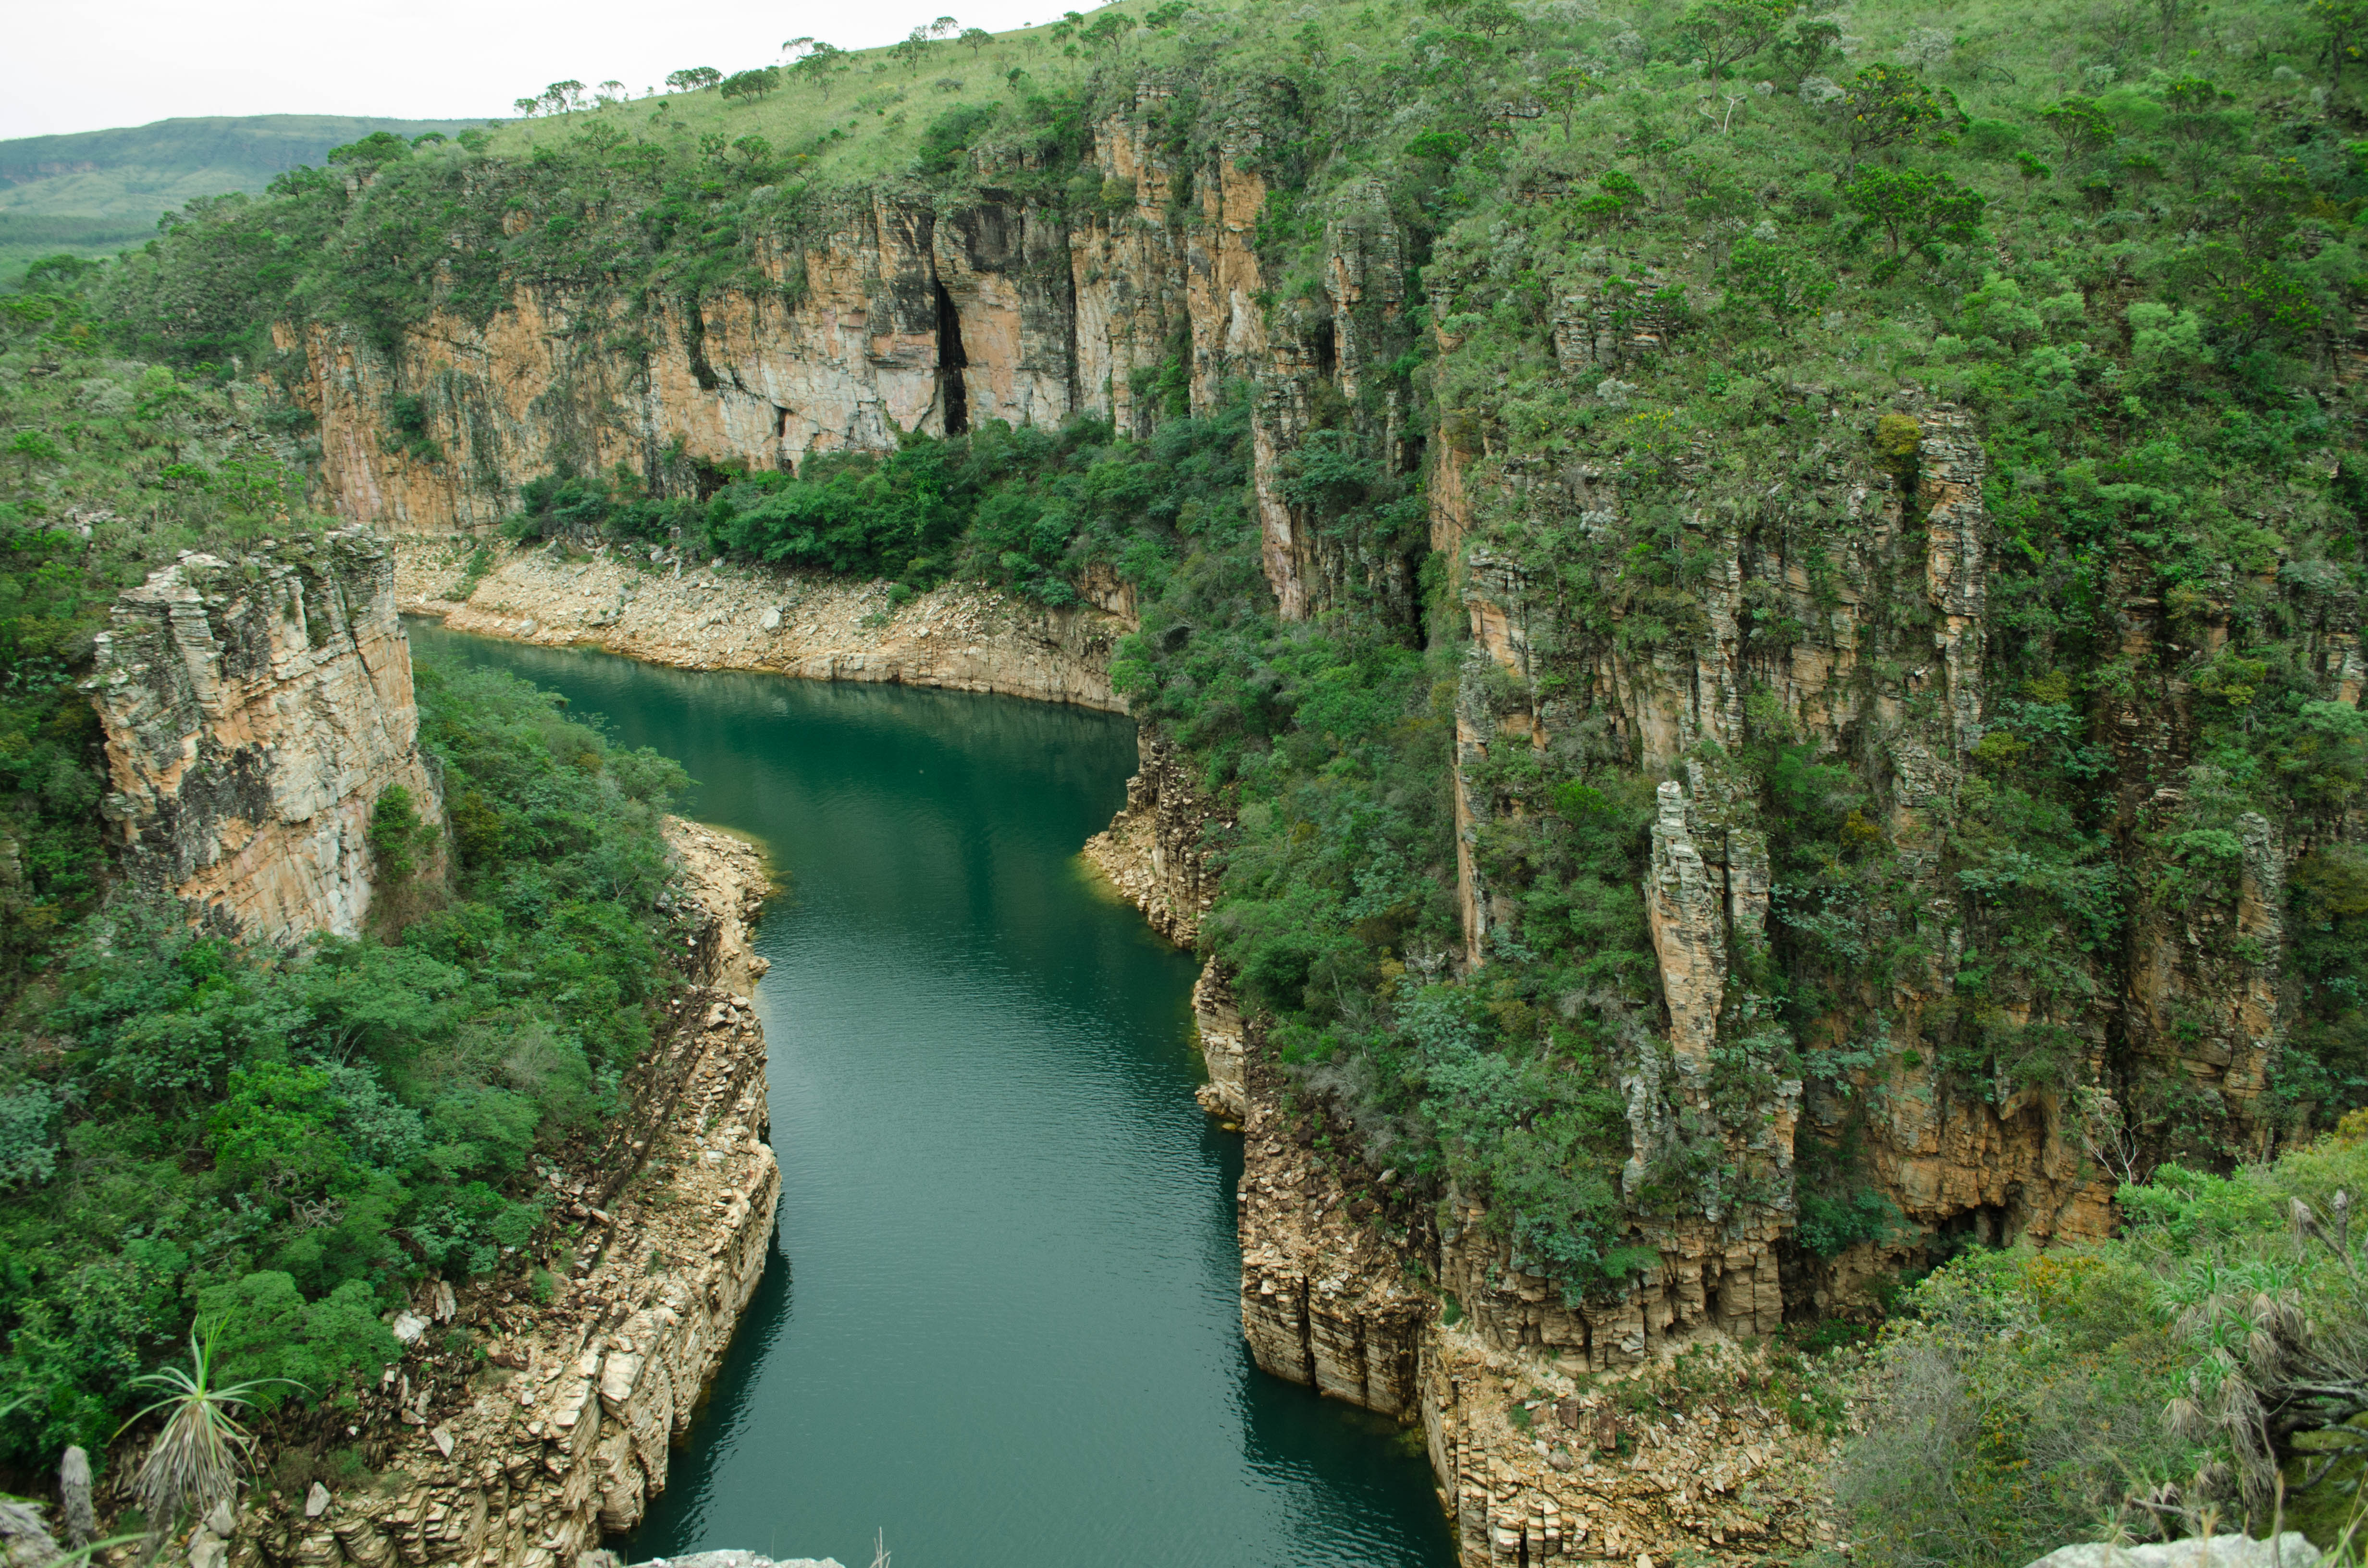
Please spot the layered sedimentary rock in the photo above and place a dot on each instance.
(564, 1430)
(1151, 851)
(885, 314)
(1343, 1277)
(1880, 662)
(1325, 1297)
(256, 712)
(701, 616)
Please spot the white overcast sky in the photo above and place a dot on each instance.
(85, 68)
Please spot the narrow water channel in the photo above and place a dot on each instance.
(1001, 1324)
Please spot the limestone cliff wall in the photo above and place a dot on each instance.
(1880, 665)
(564, 1430)
(705, 617)
(887, 314)
(254, 712)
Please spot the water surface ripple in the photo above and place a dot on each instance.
(1001, 1322)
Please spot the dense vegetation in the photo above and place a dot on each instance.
(2151, 1383)
(2125, 239)
(272, 1143)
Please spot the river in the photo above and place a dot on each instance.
(1000, 1326)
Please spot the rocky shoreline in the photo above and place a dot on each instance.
(717, 617)
(561, 1429)
(1542, 1445)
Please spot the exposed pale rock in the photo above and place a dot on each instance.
(2292, 1550)
(852, 343)
(255, 712)
(24, 1539)
(958, 636)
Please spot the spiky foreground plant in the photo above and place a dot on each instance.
(195, 1460)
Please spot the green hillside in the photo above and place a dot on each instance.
(94, 192)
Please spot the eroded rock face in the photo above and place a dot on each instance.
(1151, 851)
(255, 712)
(1335, 1261)
(891, 314)
(1885, 602)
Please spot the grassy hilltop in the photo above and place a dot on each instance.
(93, 193)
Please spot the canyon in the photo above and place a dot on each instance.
(1848, 610)
(956, 637)
(257, 710)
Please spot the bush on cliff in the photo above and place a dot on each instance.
(2026, 1399)
(282, 1142)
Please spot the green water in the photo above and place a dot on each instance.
(1001, 1322)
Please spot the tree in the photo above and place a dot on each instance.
(1805, 47)
(1728, 32)
(1107, 30)
(2197, 124)
(1617, 196)
(2080, 125)
(1916, 211)
(796, 47)
(31, 447)
(564, 96)
(694, 78)
(612, 91)
(2246, 299)
(1777, 278)
(1567, 86)
(911, 48)
(820, 62)
(751, 84)
(526, 105)
(2345, 23)
(1887, 106)
(944, 27)
(977, 38)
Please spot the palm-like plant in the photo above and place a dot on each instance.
(195, 1460)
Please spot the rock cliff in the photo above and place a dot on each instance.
(881, 314)
(255, 710)
(1344, 1275)
(563, 1430)
(1865, 635)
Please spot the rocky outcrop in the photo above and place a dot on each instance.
(1151, 851)
(710, 617)
(1325, 1297)
(2292, 1550)
(1867, 631)
(563, 1429)
(255, 712)
(1152, 855)
(1537, 1464)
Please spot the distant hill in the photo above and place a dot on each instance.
(94, 192)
